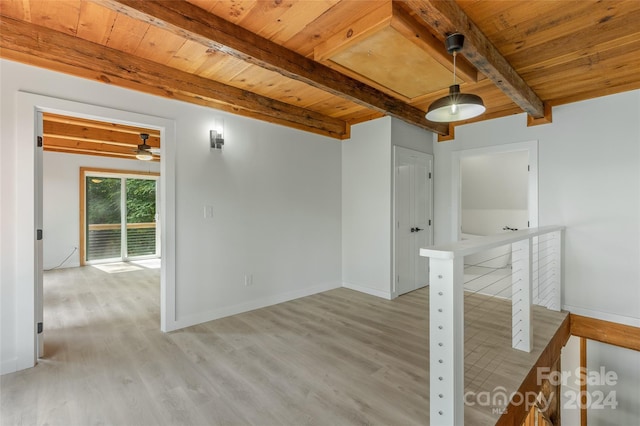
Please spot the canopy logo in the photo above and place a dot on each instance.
(499, 399)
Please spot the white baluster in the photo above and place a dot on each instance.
(555, 277)
(521, 295)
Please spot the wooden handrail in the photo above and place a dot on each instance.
(612, 333)
(113, 226)
(586, 328)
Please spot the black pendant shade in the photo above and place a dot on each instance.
(455, 106)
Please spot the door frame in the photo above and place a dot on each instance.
(456, 183)
(393, 291)
(29, 107)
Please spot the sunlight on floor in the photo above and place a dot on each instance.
(118, 267)
(148, 263)
(115, 268)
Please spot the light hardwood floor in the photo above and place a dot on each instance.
(336, 358)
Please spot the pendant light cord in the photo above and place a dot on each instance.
(455, 53)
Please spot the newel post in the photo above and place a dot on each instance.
(446, 340)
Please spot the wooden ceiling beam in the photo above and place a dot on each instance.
(47, 48)
(445, 17)
(95, 153)
(196, 24)
(80, 145)
(93, 134)
(94, 124)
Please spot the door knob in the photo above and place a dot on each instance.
(418, 229)
(413, 229)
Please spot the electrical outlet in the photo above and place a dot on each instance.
(248, 279)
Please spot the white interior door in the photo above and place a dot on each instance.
(413, 206)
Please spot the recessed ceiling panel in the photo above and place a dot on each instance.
(392, 61)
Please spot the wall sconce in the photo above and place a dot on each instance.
(216, 136)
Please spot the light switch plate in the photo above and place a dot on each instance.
(208, 212)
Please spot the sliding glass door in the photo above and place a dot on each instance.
(141, 229)
(120, 217)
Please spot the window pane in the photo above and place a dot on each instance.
(141, 215)
(103, 218)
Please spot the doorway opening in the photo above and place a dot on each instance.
(496, 191)
(495, 188)
(29, 125)
(109, 216)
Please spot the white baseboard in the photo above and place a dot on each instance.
(605, 316)
(250, 306)
(367, 290)
(9, 366)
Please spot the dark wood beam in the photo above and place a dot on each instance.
(47, 48)
(187, 20)
(446, 17)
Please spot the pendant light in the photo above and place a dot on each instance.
(455, 106)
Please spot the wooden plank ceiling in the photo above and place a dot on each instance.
(74, 135)
(323, 65)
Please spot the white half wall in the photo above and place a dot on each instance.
(275, 193)
(61, 199)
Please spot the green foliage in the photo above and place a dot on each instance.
(104, 207)
(103, 200)
(141, 200)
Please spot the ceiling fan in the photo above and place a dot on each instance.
(144, 151)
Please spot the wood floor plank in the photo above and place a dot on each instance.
(335, 358)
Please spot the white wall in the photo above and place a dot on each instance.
(61, 201)
(412, 137)
(275, 193)
(618, 387)
(366, 208)
(589, 181)
(494, 190)
(621, 391)
(367, 165)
